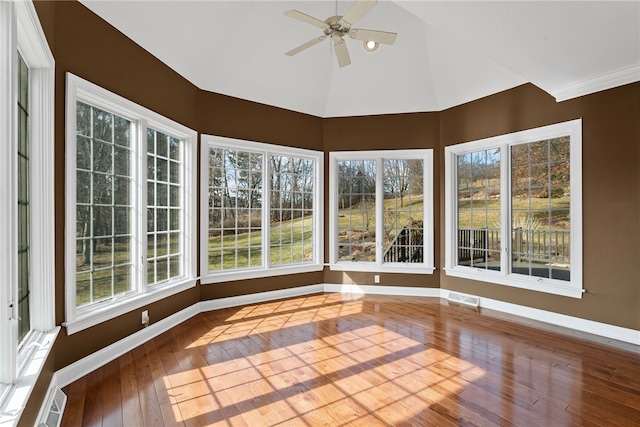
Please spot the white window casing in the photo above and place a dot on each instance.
(379, 265)
(21, 363)
(79, 318)
(265, 267)
(504, 276)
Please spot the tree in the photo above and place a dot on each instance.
(402, 176)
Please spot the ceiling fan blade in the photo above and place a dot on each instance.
(306, 18)
(383, 37)
(342, 54)
(306, 45)
(357, 11)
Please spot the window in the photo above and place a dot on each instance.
(27, 268)
(24, 226)
(381, 211)
(130, 209)
(261, 211)
(164, 207)
(513, 209)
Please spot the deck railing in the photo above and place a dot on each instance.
(546, 245)
(407, 246)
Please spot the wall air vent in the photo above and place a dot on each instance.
(464, 299)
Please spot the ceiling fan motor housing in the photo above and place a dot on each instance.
(336, 28)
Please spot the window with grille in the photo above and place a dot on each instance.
(262, 210)
(513, 209)
(104, 205)
(381, 211)
(24, 226)
(27, 265)
(130, 205)
(164, 207)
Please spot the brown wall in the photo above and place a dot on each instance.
(611, 193)
(385, 132)
(85, 45)
(88, 47)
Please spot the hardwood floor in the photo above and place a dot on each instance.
(339, 360)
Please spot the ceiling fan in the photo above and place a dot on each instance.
(337, 27)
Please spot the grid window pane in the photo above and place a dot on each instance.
(403, 210)
(235, 189)
(478, 209)
(163, 190)
(290, 178)
(103, 213)
(356, 210)
(540, 204)
(24, 238)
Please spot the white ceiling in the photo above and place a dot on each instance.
(446, 53)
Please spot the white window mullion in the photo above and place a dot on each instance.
(42, 266)
(575, 199)
(188, 203)
(205, 179)
(379, 210)
(139, 203)
(70, 202)
(318, 215)
(266, 209)
(333, 213)
(506, 239)
(427, 228)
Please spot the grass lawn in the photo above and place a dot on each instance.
(291, 241)
(486, 213)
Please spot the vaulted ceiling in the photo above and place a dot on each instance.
(447, 52)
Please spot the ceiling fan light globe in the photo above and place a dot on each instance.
(370, 45)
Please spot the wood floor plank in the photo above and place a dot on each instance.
(74, 409)
(111, 395)
(149, 404)
(92, 414)
(352, 360)
(131, 410)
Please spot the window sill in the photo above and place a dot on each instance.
(538, 284)
(406, 268)
(257, 273)
(15, 397)
(124, 304)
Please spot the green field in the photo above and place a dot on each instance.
(486, 213)
(291, 241)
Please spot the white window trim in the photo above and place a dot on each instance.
(20, 30)
(573, 288)
(209, 277)
(427, 267)
(79, 89)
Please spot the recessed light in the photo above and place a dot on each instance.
(370, 45)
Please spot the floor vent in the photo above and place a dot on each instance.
(464, 299)
(53, 417)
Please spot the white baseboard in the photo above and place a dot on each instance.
(217, 304)
(77, 370)
(82, 367)
(619, 333)
(383, 290)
